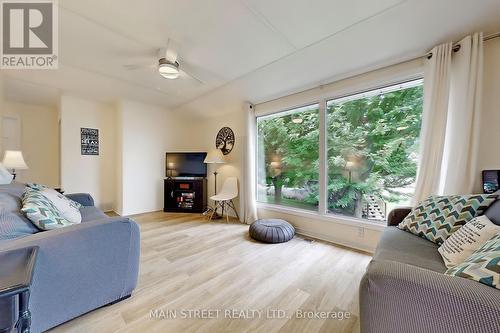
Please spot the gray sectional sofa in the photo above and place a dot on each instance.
(405, 289)
(79, 268)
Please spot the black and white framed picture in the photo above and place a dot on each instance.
(89, 141)
(225, 140)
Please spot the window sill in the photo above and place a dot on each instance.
(349, 221)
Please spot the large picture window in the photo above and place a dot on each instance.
(288, 153)
(372, 150)
(370, 153)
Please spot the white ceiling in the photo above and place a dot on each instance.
(251, 50)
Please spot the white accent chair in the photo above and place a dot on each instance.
(224, 199)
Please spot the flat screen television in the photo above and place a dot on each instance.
(186, 165)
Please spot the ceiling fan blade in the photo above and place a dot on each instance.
(191, 76)
(171, 55)
(171, 51)
(133, 67)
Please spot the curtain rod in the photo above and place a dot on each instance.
(456, 47)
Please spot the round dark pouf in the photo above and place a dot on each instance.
(272, 231)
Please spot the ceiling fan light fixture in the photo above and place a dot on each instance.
(169, 70)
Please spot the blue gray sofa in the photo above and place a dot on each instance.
(405, 288)
(79, 268)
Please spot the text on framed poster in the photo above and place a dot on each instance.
(89, 141)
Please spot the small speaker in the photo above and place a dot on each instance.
(491, 181)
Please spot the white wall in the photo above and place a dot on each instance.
(39, 142)
(128, 174)
(85, 173)
(145, 133)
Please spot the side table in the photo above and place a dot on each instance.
(16, 273)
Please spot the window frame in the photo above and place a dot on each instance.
(322, 212)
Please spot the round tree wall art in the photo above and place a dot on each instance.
(225, 140)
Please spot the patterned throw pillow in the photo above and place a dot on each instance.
(437, 217)
(41, 212)
(68, 208)
(483, 265)
(467, 207)
(470, 237)
(36, 187)
(422, 219)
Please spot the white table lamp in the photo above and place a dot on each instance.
(13, 159)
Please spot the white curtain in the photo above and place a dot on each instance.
(249, 179)
(435, 114)
(458, 170)
(450, 120)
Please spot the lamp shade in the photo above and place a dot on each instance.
(350, 165)
(13, 159)
(214, 157)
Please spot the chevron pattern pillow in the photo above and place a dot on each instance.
(483, 265)
(467, 207)
(41, 212)
(424, 218)
(437, 217)
(35, 186)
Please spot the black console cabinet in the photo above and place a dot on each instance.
(185, 195)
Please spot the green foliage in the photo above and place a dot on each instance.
(372, 144)
(293, 146)
(379, 135)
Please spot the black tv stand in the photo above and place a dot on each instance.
(185, 195)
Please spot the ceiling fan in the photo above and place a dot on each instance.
(168, 65)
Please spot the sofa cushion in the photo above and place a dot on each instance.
(15, 189)
(91, 213)
(404, 247)
(12, 223)
(493, 212)
(483, 265)
(5, 176)
(41, 211)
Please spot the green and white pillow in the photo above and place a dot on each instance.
(470, 237)
(68, 208)
(36, 187)
(483, 265)
(467, 207)
(428, 214)
(437, 217)
(41, 212)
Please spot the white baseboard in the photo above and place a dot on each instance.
(334, 240)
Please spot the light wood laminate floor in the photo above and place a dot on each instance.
(190, 264)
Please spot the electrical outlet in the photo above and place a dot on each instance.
(361, 232)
